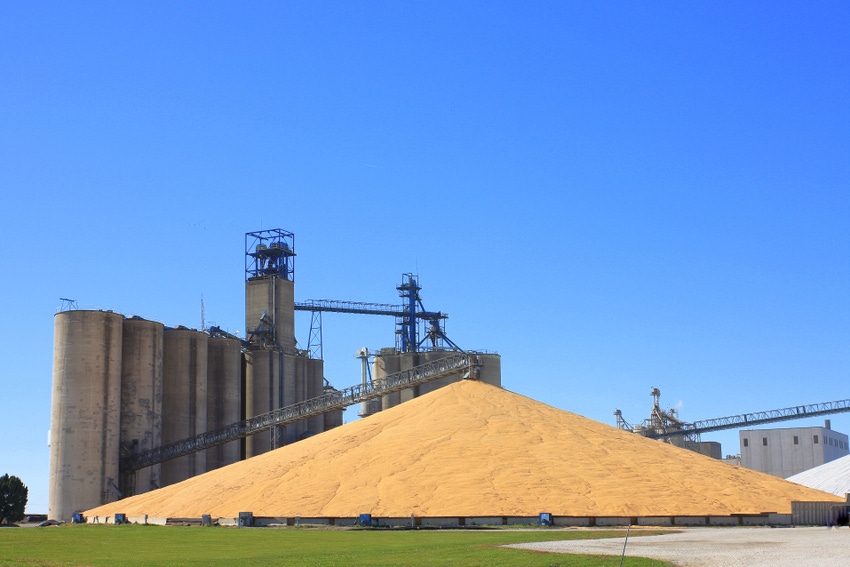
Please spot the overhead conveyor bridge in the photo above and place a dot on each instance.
(753, 419)
(356, 307)
(450, 365)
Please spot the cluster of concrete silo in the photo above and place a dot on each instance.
(126, 385)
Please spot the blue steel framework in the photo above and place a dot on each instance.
(270, 253)
(407, 315)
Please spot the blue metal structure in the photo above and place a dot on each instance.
(314, 344)
(270, 253)
(408, 290)
(408, 315)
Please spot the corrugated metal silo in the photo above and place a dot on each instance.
(224, 396)
(184, 399)
(141, 399)
(85, 414)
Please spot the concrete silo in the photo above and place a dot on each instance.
(491, 368)
(141, 399)
(309, 382)
(386, 363)
(390, 361)
(271, 379)
(262, 392)
(224, 396)
(489, 371)
(270, 289)
(184, 399)
(332, 418)
(85, 418)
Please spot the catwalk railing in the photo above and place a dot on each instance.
(334, 306)
(450, 365)
(757, 418)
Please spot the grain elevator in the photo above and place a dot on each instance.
(127, 386)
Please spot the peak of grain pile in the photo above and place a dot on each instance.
(471, 449)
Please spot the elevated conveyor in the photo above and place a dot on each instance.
(452, 364)
(753, 419)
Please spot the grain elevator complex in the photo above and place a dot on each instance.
(220, 425)
(137, 405)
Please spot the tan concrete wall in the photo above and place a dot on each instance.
(85, 414)
(262, 371)
(491, 369)
(141, 399)
(267, 388)
(275, 297)
(184, 399)
(293, 392)
(224, 396)
(383, 366)
(314, 374)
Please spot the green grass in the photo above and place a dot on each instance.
(129, 546)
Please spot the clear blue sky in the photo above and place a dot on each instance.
(613, 196)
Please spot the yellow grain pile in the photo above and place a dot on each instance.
(471, 449)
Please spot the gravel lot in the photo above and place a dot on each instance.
(726, 547)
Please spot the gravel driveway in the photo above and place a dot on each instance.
(726, 547)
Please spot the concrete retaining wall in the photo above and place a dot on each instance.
(803, 513)
(579, 521)
(655, 521)
(614, 521)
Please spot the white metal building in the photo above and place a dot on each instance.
(788, 451)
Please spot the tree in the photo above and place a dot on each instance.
(13, 499)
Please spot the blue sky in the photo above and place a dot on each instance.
(613, 196)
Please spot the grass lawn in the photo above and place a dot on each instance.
(133, 545)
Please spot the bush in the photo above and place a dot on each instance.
(13, 499)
